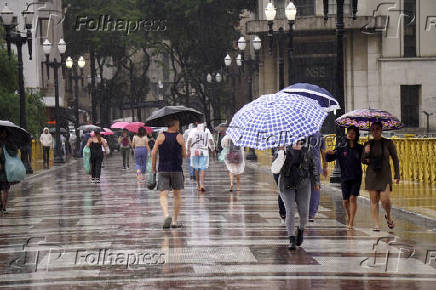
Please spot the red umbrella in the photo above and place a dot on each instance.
(134, 127)
(119, 125)
(107, 131)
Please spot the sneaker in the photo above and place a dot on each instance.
(311, 220)
(92, 180)
(97, 180)
(291, 243)
(300, 236)
(282, 221)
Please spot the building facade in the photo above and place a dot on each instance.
(390, 55)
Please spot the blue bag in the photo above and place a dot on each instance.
(14, 168)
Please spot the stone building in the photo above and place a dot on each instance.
(390, 55)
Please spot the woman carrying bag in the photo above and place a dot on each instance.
(297, 174)
(234, 159)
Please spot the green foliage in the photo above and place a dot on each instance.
(8, 71)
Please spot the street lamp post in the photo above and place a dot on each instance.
(76, 77)
(290, 12)
(340, 83)
(233, 75)
(218, 78)
(13, 36)
(253, 66)
(62, 46)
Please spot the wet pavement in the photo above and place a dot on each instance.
(63, 232)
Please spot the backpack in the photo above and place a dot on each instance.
(234, 154)
(125, 141)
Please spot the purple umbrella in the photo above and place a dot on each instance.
(363, 118)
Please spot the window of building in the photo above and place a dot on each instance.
(409, 24)
(410, 96)
(347, 7)
(305, 7)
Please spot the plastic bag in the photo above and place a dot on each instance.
(151, 181)
(14, 168)
(86, 158)
(223, 155)
(149, 169)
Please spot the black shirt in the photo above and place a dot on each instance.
(349, 160)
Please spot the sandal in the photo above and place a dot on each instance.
(176, 226)
(391, 224)
(375, 229)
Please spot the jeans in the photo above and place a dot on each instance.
(141, 159)
(282, 209)
(46, 155)
(191, 170)
(314, 202)
(126, 158)
(297, 196)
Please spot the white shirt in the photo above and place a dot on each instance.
(200, 141)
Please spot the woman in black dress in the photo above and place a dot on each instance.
(95, 144)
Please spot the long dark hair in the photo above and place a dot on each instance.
(357, 131)
(98, 135)
(141, 132)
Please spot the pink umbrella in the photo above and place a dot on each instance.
(107, 131)
(119, 125)
(134, 127)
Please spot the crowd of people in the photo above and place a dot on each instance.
(296, 169)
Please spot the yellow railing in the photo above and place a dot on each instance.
(37, 155)
(417, 157)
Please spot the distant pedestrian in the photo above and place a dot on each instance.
(140, 145)
(188, 159)
(200, 140)
(12, 150)
(349, 157)
(234, 160)
(170, 146)
(95, 143)
(125, 146)
(378, 178)
(317, 146)
(47, 143)
(298, 173)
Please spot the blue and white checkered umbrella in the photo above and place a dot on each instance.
(271, 121)
(321, 95)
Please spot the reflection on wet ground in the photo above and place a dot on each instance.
(61, 232)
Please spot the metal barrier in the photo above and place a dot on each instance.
(37, 163)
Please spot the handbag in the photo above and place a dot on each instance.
(151, 181)
(14, 168)
(234, 155)
(223, 155)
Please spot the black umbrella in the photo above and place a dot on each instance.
(16, 136)
(62, 130)
(184, 114)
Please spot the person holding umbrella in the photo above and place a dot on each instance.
(349, 157)
(125, 145)
(47, 142)
(378, 179)
(170, 146)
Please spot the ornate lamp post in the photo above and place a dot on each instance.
(233, 75)
(340, 83)
(253, 66)
(76, 77)
(55, 64)
(270, 13)
(13, 36)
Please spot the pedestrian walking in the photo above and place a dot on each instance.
(234, 160)
(200, 140)
(281, 204)
(95, 144)
(317, 146)
(47, 143)
(125, 146)
(170, 146)
(378, 179)
(188, 159)
(140, 145)
(5, 185)
(349, 155)
(298, 172)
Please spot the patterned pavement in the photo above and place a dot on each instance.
(63, 232)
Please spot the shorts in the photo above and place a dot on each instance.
(350, 187)
(170, 181)
(4, 185)
(200, 162)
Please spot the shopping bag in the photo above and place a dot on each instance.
(14, 168)
(151, 181)
(86, 158)
(149, 169)
(223, 155)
